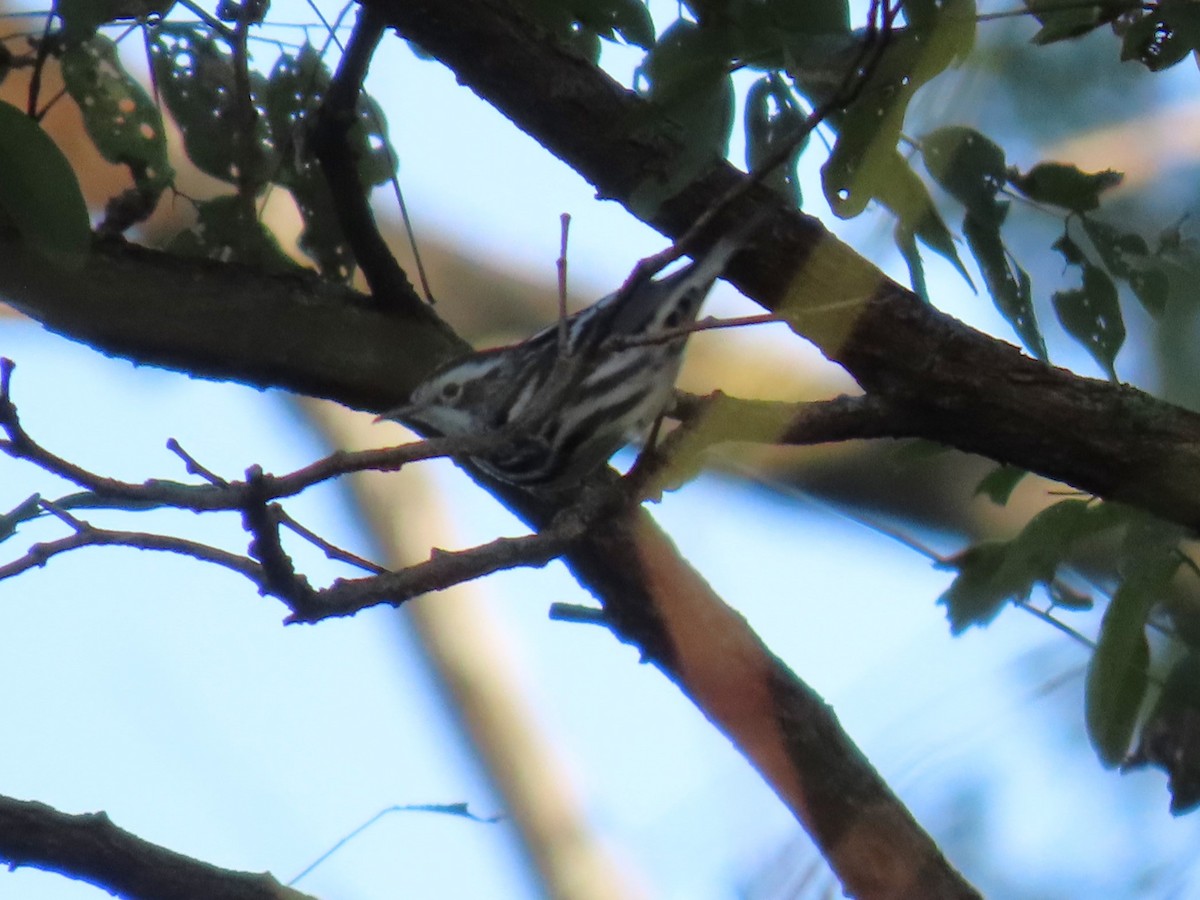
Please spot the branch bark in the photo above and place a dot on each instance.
(91, 848)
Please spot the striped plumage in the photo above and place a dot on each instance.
(563, 415)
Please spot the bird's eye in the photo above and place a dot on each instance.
(451, 390)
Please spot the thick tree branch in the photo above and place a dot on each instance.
(961, 387)
(91, 848)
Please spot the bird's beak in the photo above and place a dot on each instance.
(397, 413)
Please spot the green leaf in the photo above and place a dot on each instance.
(1164, 36)
(976, 595)
(1059, 184)
(293, 92)
(1127, 256)
(225, 232)
(688, 84)
(993, 572)
(1070, 250)
(560, 19)
(1068, 598)
(906, 243)
(39, 194)
(858, 168)
(1006, 281)
(1092, 315)
(772, 120)
(1062, 21)
(1117, 675)
(195, 76)
(969, 167)
(905, 196)
(999, 483)
(120, 117)
(627, 19)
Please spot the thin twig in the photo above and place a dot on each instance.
(561, 264)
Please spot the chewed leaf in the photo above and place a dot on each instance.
(1092, 315)
(1007, 282)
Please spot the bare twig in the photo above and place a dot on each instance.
(711, 323)
(561, 265)
(87, 535)
(442, 570)
(218, 494)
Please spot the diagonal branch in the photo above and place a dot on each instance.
(962, 387)
(91, 848)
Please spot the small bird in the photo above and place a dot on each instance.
(561, 408)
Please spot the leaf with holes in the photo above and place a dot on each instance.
(1006, 281)
(861, 162)
(1164, 36)
(120, 117)
(196, 77)
(1127, 256)
(222, 231)
(1092, 315)
(969, 167)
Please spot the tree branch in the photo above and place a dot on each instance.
(91, 848)
(960, 386)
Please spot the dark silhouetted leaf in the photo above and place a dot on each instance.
(1065, 186)
(1007, 282)
(773, 120)
(195, 76)
(39, 193)
(1061, 21)
(1127, 256)
(688, 85)
(1165, 35)
(969, 167)
(1117, 674)
(81, 18)
(223, 231)
(999, 483)
(1092, 315)
(1170, 737)
(994, 572)
(627, 19)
